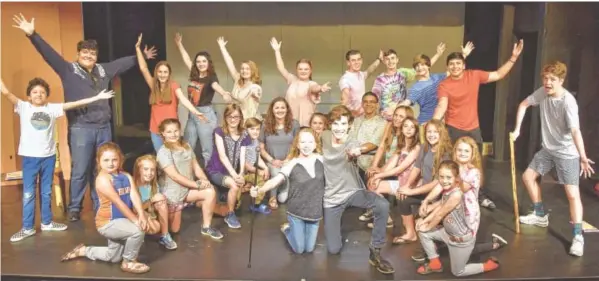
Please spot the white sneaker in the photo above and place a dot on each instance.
(54, 226)
(389, 223)
(366, 216)
(22, 234)
(577, 248)
(533, 219)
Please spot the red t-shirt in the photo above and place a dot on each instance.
(462, 99)
(161, 111)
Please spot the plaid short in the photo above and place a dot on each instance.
(568, 170)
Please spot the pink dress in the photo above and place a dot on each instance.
(472, 177)
(302, 103)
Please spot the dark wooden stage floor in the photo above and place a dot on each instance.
(534, 254)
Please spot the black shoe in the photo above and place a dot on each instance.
(73, 216)
(382, 265)
(419, 257)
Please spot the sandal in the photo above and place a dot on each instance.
(272, 202)
(134, 267)
(426, 269)
(73, 254)
(402, 241)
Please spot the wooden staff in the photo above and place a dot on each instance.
(514, 186)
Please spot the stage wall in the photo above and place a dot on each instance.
(321, 32)
(61, 26)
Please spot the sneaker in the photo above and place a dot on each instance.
(22, 234)
(487, 203)
(285, 227)
(54, 226)
(168, 242)
(389, 223)
(232, 221)
(73, 216)
(381, 264)
(212, 232)
(533, 219)
(419, 257)
(577, 248)
(499, 240)
(366, 216)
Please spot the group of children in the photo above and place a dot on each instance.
(313, 163)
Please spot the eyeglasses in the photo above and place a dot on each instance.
(236, 117)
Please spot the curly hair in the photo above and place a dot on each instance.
(270, 122)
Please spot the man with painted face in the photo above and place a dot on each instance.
(458, 99)
(344, 188)
(89, 127)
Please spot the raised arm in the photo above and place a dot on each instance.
(466, 50)
(438, 54)
(507, 66)
(53, 58)
(219, 89)
(227, 57)
(5, 92)
(316, 90)
(103, 95)
(373, 66)
(143, 66)
(276, 46)
(184, 54)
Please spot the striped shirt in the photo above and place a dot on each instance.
(424, 93)
(109, 211)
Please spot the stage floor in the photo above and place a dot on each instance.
(536, 253)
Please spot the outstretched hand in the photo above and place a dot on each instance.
(178, 38)
(23, 24)
(441, 48)
(518, 48)
(325, 87)
(585, 167)
(3, 87)
(276, 45)
(514, 135)
(105, 94)
(150, 53)
(466, 50)
(221, 42)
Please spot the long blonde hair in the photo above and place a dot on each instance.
(294, 151)
(476, 160)
(137, 175)
(254, 73)
(444, 147)
(161, 93)
(393, 132)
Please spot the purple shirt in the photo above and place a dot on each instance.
(232, 149)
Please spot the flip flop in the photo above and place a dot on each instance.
(73, 254)
(402, 241)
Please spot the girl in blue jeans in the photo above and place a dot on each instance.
(304, 173)
(38, 150)
(203, 83)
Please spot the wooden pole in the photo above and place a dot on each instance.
(514, 185)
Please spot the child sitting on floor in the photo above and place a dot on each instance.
(252, 126)
(154, 202)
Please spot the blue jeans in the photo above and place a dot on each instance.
(84, 143)
(204, 131)
(301, 234)
(32, 167)
(156, 141)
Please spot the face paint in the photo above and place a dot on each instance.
(306, 143)
(340, 128)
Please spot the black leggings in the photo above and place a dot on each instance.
(405, 205)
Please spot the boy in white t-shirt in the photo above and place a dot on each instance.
(353, 81)
(38, 149)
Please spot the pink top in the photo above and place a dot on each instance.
(403, 176)
(356, 83)
(472, 177)
(301, 101)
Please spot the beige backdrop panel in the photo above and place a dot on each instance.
(321, 32)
